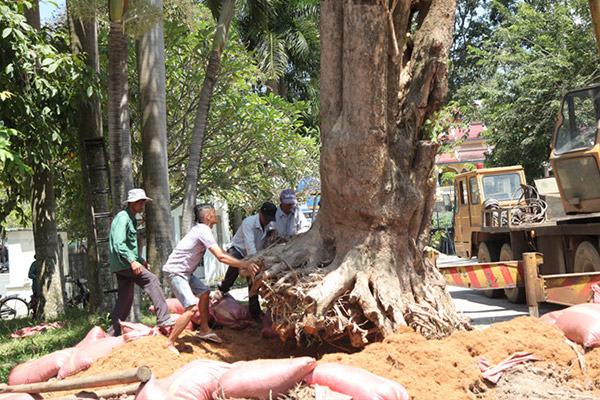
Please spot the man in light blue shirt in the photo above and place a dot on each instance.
(249, 239)
(289, 220)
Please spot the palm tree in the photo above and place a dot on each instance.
(212, 71)
(119, 137)
(151, 70)
(284, 35)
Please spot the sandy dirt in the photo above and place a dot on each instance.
(436, 369)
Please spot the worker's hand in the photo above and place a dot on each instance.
(136, 267)
(250, 269)
(146, 265)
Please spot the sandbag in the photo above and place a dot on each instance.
(152, 390)
(581, 324)
(551, 317)
(230, 313)
(85, 355)
(175, 307)
(95, 334)
(196, 380)
(325, 393)
(263, 379)
(135, 330)
(17, 396)
(356, 382)
(41, 369)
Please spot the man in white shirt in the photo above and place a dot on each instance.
(179, 269)
(249, 239)
(289, 220)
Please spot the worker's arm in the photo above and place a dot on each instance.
(232, 261)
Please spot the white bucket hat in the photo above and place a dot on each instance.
(137, 194)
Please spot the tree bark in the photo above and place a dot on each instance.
(119, 137)
(359, 273)
(45, 232)
(151, 67)
(84, 41)
(199, 130)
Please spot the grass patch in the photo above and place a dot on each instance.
(15, 351)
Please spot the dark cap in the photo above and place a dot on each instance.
(268, 209)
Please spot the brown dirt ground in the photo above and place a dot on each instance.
(435, 369)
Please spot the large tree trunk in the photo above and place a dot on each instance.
(45, 232)
(119, 137)
(84, 41)
(151, 67)
(199, 130)
(359, 272)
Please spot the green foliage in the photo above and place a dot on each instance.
(39, 82)
(255, 144)
(15, 351)
(447, 178)
(536, 52)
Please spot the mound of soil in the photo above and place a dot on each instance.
(429, 369)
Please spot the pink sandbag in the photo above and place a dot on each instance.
(263, 379)
(84, 356)
(95, 334)
(40, 370)
(581, 324)
(324, 393)
(230, 313)
(267, 330)
(175, 307)
(152, 390)
(356, 382)
(135, 330)
(551, 317)
(17, 396)
(196, 380)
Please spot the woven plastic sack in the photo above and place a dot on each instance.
(263, 379)
(175, 307)
(230, 313)
(356, 382)
(39, 370)
(152, 390)
(196, 380)
(551, 317)
(85, 355)
(17, 396)
(95, 334)
(581, 324)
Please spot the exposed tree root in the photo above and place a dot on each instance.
(361, 296)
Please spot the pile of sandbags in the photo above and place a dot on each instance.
(579, 323)
(267, 379)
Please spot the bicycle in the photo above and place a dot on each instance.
(80, 295)
(14, 306)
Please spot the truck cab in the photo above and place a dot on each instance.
(575, 155)
(474, 188)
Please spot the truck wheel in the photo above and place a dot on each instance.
(514, 295)
(587, 258)
(489, 252)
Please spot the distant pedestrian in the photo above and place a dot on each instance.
(130, 268)
(249, 238)
(35, 285)
(190, 290)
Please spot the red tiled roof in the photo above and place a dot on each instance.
(474, 133)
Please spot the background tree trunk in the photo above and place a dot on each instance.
(198, 132)
(151, 67)
(119, 137)
(84, 41)
(45, 232)
(364, 274)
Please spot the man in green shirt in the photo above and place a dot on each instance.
(130, 268)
